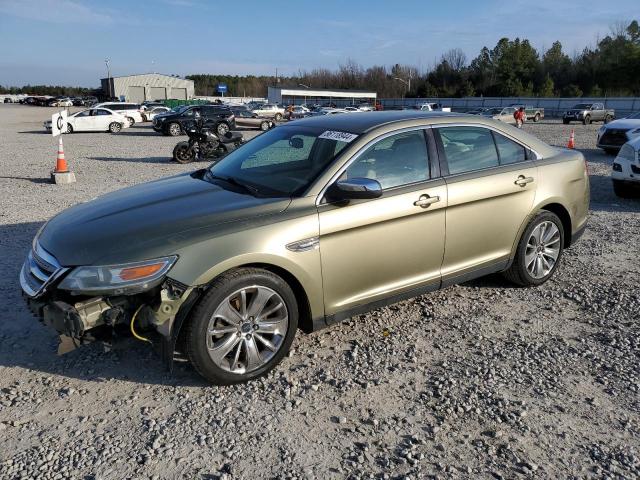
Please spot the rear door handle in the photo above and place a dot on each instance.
(522, 180)
(425, 200)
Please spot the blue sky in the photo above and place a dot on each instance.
(65, 42)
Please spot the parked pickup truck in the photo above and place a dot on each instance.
(433, 107)
(587, 113)
(533, 113)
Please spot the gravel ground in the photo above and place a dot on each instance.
(481, 380)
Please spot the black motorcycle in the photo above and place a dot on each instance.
(203, 144)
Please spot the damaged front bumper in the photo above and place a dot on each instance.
(160, 311)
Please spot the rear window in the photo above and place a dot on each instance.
(468, 148)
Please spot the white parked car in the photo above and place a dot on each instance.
(150, 113)
(269, 110)
(353, 109)
(94, 120)
(133, 111)
(65, 102)
(625, 172)
(613, 135)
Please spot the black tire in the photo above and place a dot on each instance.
(264, 126)
(278, 117)
(115, 127)
(132, 122)
(517, 272)
(587, 120)
(624, 190)
(69, 128)
(183, 154)
(536, 118)
(608, 118)
(566, 122)
(174, 129)
(222, 129)
(611, 151)
(198, 323)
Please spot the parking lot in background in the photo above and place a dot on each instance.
(480, 380)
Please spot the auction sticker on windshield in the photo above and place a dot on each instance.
(341, 136)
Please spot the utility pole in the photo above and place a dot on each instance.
(106, 62)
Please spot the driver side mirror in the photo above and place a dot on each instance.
(353, 189)
(296, 142)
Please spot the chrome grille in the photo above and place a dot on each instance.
(39, 270)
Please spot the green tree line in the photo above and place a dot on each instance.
(510, 68)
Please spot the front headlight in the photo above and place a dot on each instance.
(124, 279)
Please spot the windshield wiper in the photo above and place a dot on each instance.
(234, 181)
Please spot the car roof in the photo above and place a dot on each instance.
(367, 121)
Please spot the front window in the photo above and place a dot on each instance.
(282, 162)
(394, 161)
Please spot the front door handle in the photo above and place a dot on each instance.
(425, 200)
(522, 180)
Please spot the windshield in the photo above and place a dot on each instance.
(583, 106)
(180, 108)
(283, 162)
(493, 111)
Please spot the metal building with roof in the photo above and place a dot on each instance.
(341, 98)
(148, 86)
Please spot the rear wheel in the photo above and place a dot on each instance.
(242, 327)
(278, 117)
(264, 126)
(608, 118)
(539, 251)
(115, 127)
(174, 129)
(222, 129)
(183, 154)
(536, 118)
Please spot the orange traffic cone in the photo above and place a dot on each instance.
(572, 140)
(61, 163)
(61, 174)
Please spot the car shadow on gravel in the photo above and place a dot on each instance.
(139, 134)
(134, 160)
(603, 199)
(598, 156)
(36, 132)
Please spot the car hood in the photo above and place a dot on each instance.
(149, 220)
(624, 124)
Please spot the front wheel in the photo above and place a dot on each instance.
(242, 327)
(69, 128)
(623, 190)
(115, 127)
(608, 118)
(587, 120)
(182, 153)
(539, 251)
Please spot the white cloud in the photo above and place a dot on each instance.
(54, 11)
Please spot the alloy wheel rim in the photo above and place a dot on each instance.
(174, 129)
(542, 250)
(247, 329)
(222, 129)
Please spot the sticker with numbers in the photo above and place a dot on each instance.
(340, 136)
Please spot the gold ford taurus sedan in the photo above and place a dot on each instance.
(308, 224)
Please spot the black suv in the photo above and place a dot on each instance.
(219, 118)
